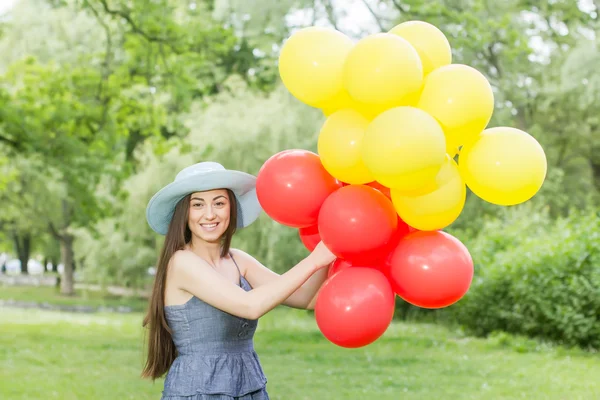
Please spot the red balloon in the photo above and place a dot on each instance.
(310, 236)
(292, 185)
(403, 230)
(383, 189)
(355, 306)
(376, 185)
(357, 223)
(338, 265)
(431, 269)
(385, 259)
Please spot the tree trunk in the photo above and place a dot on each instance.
(22, 247)
(65, 239)
(66, 249)
(594, 156)
(596, 175)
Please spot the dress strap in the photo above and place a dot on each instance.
(238, 268)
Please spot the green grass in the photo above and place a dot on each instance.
(52, 355)
(51, 295)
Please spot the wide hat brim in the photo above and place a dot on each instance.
(159, 211)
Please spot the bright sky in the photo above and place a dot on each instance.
(6, 5)
(355, 21)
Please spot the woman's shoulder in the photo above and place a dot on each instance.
(181, 255)
(237, 252)
(243, 258)
(242, 255)
(182, 260)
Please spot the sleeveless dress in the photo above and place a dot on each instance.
(216, 358)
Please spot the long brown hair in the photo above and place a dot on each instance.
(161, 349)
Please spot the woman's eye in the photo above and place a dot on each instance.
(197, 205)
(220, 204)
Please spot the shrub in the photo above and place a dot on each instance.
(537, 278)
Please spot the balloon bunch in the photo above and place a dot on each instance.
(385, 181)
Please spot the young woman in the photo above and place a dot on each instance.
(208, 297)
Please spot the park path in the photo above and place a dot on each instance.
(51, 281)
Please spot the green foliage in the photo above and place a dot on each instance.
(261, 27)
(29, 201)
(536, 277)
(62, 118)
(90, 81)
(178, 48)
(555, 195)
(121, 248)
(59, 35)
(106, 248)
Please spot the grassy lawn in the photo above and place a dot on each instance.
(54, 355)
(51, 295)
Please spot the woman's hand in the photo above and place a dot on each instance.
(321, 256)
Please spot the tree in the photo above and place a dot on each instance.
(87, 115)
(576, 90)
(178, 51)
(22, 218)
(57, 115)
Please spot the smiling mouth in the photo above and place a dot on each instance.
(209, 227)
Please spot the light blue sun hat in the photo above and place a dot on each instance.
(199, 177)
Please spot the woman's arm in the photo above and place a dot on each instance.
(190, 273)
(258, 275)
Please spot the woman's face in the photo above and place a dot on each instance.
(209, 214)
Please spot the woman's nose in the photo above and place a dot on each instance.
(210, 214)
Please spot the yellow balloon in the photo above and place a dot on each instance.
(311, 64)
(344, 101)
(437, 208)
(341, 101)
(404, 148)
(430, 42)
(383, 69)
(451, 148)
(462, 101)
(504, 166)
(339, 147)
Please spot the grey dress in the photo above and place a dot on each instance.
(216, 358)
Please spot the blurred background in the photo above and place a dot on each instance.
(102, 102)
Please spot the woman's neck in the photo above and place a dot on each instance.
(209, 252)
